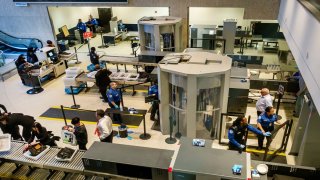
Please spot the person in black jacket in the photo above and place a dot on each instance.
(102, 81)
(31, 56)
(42, 135)
(94, 57)
(3, 108)
(80, 132)
(9, 124)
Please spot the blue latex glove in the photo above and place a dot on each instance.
(116, 106)
(267, 134)
(242, 146)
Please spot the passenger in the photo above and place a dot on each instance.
(104, 127)
(50, 43)
(42, 135)
(264, 101)
(80, 131)
(102, 81)
(3, 108)
(10, 124)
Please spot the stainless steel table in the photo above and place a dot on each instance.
(208, 163)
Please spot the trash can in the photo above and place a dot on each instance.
(123, 131)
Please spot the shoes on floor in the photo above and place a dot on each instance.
(259, 148)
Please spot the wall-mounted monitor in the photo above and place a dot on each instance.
(65, 31)
(72, 1)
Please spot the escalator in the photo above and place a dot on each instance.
(12, 47)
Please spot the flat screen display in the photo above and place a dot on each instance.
(72, 1)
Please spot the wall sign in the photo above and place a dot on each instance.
(72, 1)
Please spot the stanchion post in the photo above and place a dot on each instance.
(64, 115)
(145, 135)
(76, 52)
(75, 106)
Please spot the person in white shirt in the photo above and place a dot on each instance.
(104, 127)
(264, 101)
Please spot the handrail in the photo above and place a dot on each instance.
(15, 47)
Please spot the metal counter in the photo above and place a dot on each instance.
(207, 163)
(131, 155)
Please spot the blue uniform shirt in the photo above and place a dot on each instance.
(153, 90)
(82, 26)
(267, 121)
(94, 21)
(113, 95)
(232, 133)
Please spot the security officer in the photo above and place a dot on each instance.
(92, 23)
(81, 26)
(114, 99)
(237, 131)
(266, 123)
(153, 90)
(94, 57)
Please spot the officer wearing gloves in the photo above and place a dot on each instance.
(265, 123)
(114, 99)
(153, 90)
(237, 131)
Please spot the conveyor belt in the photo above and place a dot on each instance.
(19, 158)
(6, 169)
(14, 147)
(75, 166)
(39, 174)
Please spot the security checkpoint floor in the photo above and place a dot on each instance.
(13, 96)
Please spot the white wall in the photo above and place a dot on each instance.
(28, 22)
(131, 15)
(302, 32)
(215, 16)
(69, 16)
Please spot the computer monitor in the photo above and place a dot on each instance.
(53, 56)
(65, 31)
